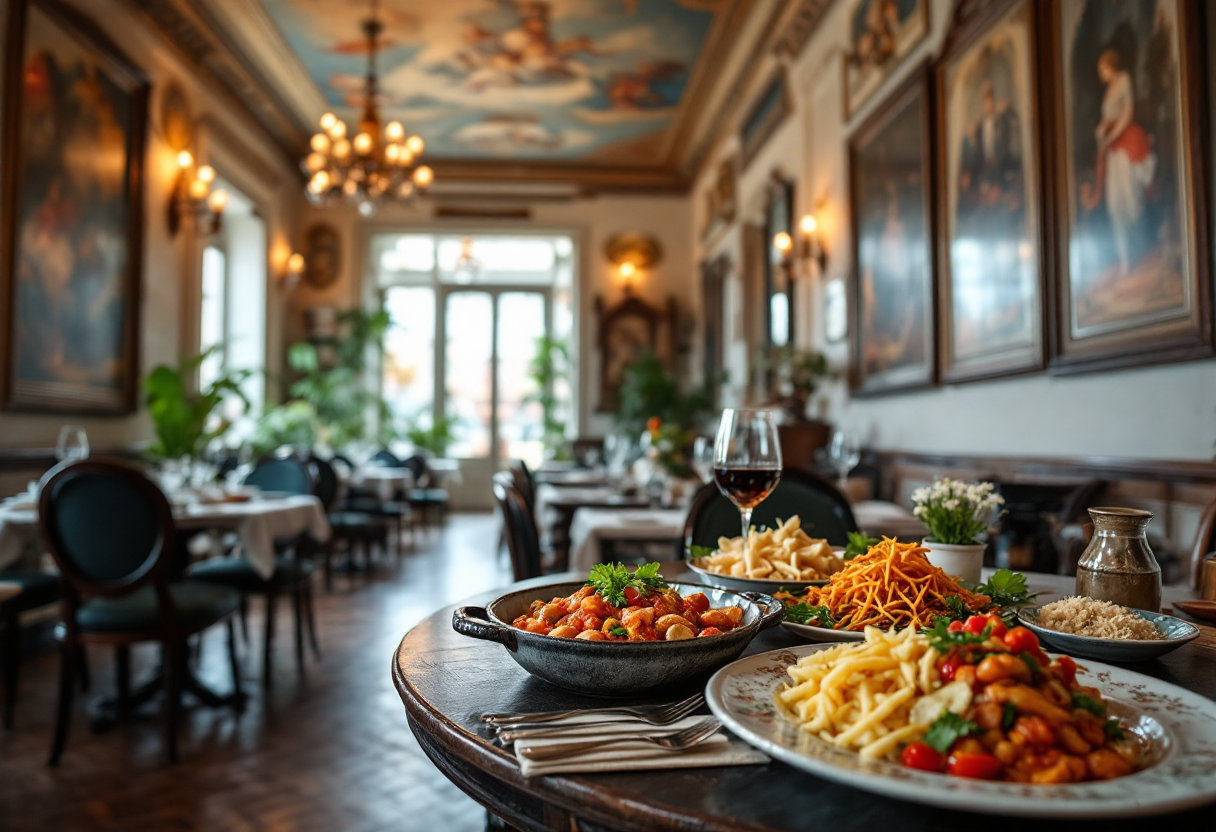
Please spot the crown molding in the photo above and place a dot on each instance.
(802, 25)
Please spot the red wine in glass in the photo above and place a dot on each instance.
(747, 487)
(747, 461)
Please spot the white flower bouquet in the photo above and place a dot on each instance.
(956, 512)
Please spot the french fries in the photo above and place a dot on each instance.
(784, 553)
(871, 697)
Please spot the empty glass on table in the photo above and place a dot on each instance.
(73, 443)
(844, 453)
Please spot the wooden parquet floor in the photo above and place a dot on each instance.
(331, 752)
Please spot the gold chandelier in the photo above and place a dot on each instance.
(378, 163)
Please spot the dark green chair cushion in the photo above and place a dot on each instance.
(37, 589)
(239, 574)
(374, 506)
(345, 520)
(428, 496)
(823, 510)
(198, 605)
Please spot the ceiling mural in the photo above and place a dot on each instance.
(597, 81)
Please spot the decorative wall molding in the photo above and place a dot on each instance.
(800, 28)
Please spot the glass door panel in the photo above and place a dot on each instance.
(468, 371)
(521, 321)
(409, 352)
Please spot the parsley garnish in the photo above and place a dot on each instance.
(1007, 590)
(1088, 703)
(947, 729)
(698, 552)
(1009, 715)
(943, 641)
(611, 579)
(804, 613)
(858, 544)
(618, 632)
(958, 610)
(1112, 729)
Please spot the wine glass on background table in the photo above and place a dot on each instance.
(844, 453)
(703, 458)
(73, 444)
(747, 460)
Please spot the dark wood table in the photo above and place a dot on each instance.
(447, 681)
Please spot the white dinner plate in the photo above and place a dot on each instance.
(1180, 727)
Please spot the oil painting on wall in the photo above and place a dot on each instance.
(596, 80)
(72, 215)
(893, 289)
(1133, 278)
(990, 291)
(881, 34)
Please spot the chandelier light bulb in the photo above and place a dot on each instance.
(406, 158)
(341, 149)
(314, 162)
(415, 145)
(405, 190)
(337, 130)
(423, 177)
(394, 131)
(185, 159)
(363, 144)
(393, 152)
(320, 143)
(321, 180)
(206, 174)
(349, 187)
(328, 120)
(198, 189)
(218, 201)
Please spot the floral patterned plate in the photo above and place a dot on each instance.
(1180, 728)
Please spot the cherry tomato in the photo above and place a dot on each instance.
(1067, 668)
(1019, 639)
(976, 624)
(921, 757)
(998, 626)
(949, 667)
(955, 627)
(631, 596)
(973, 765)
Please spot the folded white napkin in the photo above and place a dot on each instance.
(719, 750)
(21, 501)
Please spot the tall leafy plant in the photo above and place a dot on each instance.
(649, 391)
(551, 362)
(435, 438)
(183, 419)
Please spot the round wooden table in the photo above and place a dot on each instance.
(447, 681)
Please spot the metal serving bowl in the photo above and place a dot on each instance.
(619, 668)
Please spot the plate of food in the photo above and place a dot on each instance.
(977, 721)
(783, 557)
(1101, 630)
(893, 586)
(621, 633)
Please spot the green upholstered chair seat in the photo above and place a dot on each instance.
(198, 605)
(239, 574)
(345, 520)
(374, 506)
(428, 495)
(37, 589)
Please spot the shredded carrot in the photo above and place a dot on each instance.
(893, 582)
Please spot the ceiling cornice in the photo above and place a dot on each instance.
(796, 33)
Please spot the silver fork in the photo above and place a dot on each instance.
(674, 741)
(646, 713)
(524, 731)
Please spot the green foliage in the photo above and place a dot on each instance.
(797, 372)
(648, 390)
(695, 552)
(551, 362)
(294, 424)
(333, 377)
(1007, 589)
(611, 579)
(859, 543)
(947, 729)
(804, 613)
(182, 419)
(943, 641)
(434, 439)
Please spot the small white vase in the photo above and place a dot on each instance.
(962, 560)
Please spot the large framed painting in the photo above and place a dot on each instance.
(771, 107)
(990, 294)
(890, 167)
(881, 34)
(75, 118)
(778, 285)
(1133, 270)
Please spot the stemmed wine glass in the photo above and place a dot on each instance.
(703, 458)
(747, 461)
(844, 453)
(73, 443)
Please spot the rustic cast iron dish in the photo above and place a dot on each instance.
(623, 668)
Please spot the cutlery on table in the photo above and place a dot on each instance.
(673, 741)
(527, 730)
(655, 714)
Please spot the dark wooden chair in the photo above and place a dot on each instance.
(823, 509)
(367, 500)
(524, 482)
(292, 571)
(387, 458)
(358, 530)
(1205, 541)
(38, 589)
(112, 534)
(519, 524)
(429, 501)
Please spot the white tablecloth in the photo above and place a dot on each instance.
(257, 523)
(385, 481)
(547, 494)
(592, 525)
(446, 472)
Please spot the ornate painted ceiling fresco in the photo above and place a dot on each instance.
(589, 81)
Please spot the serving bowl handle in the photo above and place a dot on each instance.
(475, 622)
(774, 610)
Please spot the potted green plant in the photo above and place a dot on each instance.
(795, 376)
(551, 362)
(434, 438)
(184, 420)
(956, 513)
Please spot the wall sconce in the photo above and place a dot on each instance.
(808, 248)
(293, 269)
(632, 253)
(193, 197)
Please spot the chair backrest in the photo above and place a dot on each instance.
(420, 470)
(1205, 539)
(523, 481)
(824, 511)
(286, 474)
(523, 542)
(109, 528)
(326, 483)
(386, 458)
